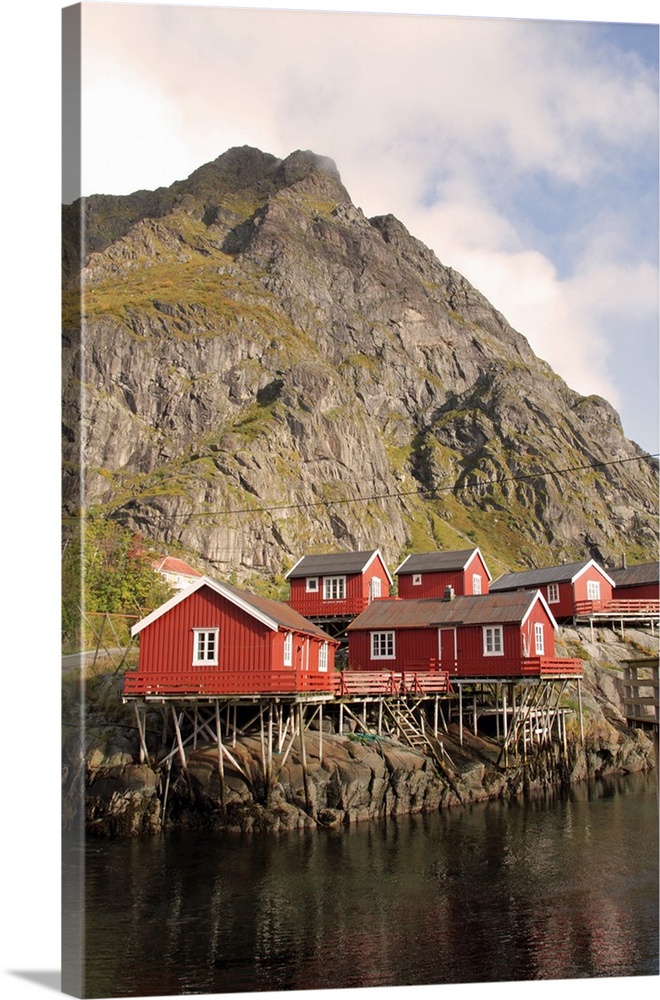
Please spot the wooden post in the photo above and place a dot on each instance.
(269, 751)
(460, 714)
(341, 718)
(579, 691)
(142, 726)
(233, 741)
(380, 716)
(221, 763)
(303, 755)
(321, 733)
(474, 712)
(435, 716)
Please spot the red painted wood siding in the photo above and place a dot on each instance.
(244, 644)
(358, 594)
(580, 586)
(434, 584)
(640, 592)
(414, 647)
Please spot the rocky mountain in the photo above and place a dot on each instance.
(260, 370)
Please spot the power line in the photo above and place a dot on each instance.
(422, 491)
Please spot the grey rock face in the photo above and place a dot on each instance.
(251, 340)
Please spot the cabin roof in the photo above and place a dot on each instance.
(171, 564)
(632, 576)
(438, 562)
(511, 607)
(531, 578)
(332, 563)
(273, 614)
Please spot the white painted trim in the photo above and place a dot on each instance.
(477, 552)
(493, 628)
(287, 575)
(592, 562)
(205, 581)
(216, 659)
(384, 565)
(399, 568)
(538, 596)
(382, 631)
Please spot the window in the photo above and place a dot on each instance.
(417, 580)
(312, 584)
(382, 645)
(593, 590)
(476, 583)
(493, 644)
(539, 644)
(334, 588)
(288, 649)
(205, 647)
(323, 657)
(553, 593)
(374, 587)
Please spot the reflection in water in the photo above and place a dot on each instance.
(546, 889)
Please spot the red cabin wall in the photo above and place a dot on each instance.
(640, 592)
(358, 592)
(580, 585)
(244, 644)
(434, 584)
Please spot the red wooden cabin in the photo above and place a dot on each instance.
(213, 639)
(568, 589)
(489, 635)
(429, 574)
(637, 583)
(337, 584)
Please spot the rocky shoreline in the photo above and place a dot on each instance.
(359, 778)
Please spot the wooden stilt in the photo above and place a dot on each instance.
(303, 755)
(233, 739)
(579, 692)
(142, 726)
(179, 740)
(460, 714)
(341, 718)
(320, 734)
(435, 716)
(221, 762)
(269, 752)
(474, 712)
(380, 716)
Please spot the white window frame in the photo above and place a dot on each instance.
(476, 584)
(323, 658)
(383, 645)
(493, 640)
(201, 647)
(334, 583)
(312, 585)
(593, 590)
(539, 639)
(288, 649)
(375, 587)
(553, 593)
(417, 579)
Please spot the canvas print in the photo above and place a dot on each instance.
(360, 500)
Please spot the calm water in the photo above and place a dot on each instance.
(557, 888)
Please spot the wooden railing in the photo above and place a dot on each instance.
(373, 682)
(646, 606)
(507, 666)
(310, 607)
(199, 682)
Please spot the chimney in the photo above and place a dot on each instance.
(623, 560)
(449, 594)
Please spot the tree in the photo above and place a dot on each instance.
(106, 569)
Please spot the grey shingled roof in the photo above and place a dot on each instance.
(435, 562)
(330, 564)
(530, 578)
(482, 609)
(635, 576)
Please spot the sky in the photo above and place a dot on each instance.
(523, 152)
(531, 159)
